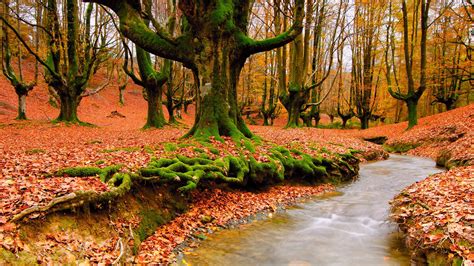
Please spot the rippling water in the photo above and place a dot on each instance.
(348, 228)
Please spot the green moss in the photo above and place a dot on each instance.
(109, 171)
(99, 162)
(184, 145)
(249, 145)
(214, 151)
(244, 170)
(79, 171)
(198, 150)
(35, 151)
(150, 220)
(20, 258)
(170, 147)
(222, 12)
(148, 149)
(400, 147)
(200, 236)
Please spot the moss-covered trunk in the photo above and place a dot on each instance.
(412, 112)
(364, 121)
(21, 92)
(219, 70)
(293, 113)
(344, 121)
(293, 103)
(155, 117)
(122, 94)
(68, 108)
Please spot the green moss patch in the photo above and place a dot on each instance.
(400, 147)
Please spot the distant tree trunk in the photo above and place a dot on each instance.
(21, 107)
(122, 93)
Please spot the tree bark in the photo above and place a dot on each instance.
(344, 121)
(21, 107)
(364, 121)
(68, 107)
(155, 117)
(122, 94)
(412, 112)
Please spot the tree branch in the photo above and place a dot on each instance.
(35, 55)
(251, 46)
(134, 28)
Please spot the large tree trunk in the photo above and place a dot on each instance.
(364, 121)
(68, 108)
(214, 45)
(344, 121)
(450, 104)
(293, 105)
(265, 119)
(218, 113)
(155, 117)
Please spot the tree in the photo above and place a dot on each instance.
(214, 45)
(412, 96)
(450, 53)
(295, 97)
(345, 108)
(22, 88)
(151, 80)
(364, 52)
(71, 58)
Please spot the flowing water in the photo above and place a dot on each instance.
(350, 227)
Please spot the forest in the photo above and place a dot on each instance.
(178, 132)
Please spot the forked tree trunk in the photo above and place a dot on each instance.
(218, 113)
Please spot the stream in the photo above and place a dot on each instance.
(348, 227)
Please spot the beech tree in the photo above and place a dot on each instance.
(365, 42)
(452, 67)
(302, 85)
(151, 80)
(420, 9)
(214, 45)
(22, 88)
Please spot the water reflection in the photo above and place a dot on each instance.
(346, 228)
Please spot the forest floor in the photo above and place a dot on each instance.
(34, 149)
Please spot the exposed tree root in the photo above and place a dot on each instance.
(276, 165)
